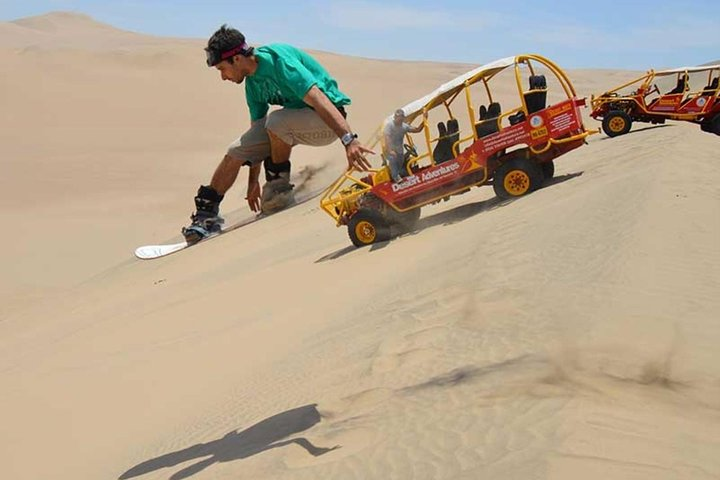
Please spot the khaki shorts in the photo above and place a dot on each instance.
(302, 126)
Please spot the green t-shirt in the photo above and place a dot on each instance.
(283, 77)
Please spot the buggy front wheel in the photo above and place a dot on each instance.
(367, 227)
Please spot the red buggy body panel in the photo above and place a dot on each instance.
(471, 166)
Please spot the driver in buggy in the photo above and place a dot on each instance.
(393, 136)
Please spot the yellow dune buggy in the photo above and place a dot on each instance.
(690, 94)
(518, 115)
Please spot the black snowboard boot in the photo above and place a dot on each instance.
(206, 219)
(277, 193)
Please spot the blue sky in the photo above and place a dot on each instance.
(633, 34)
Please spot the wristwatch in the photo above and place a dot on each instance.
(348, 138)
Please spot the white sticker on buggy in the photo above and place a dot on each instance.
(536, 121)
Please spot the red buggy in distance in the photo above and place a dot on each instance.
(687, 94)
(512, 148)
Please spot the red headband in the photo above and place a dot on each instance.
(234, 51)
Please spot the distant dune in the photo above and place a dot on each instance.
(65, 22)
(72, 30)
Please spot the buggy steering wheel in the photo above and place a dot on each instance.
(410, 151)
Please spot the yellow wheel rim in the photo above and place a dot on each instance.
(616, 124)
(365, 232)
(517, 182)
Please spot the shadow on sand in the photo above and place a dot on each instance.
(638, 130)
(448, 217)
(262, 436)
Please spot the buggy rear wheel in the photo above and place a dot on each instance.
(715, 125)
(517, 177)
(367, 227)
(616, 122)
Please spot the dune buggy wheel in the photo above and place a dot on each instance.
(548, 169)
(517, 177)
(367, 227)
(616, 122)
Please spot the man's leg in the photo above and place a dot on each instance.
(225, 174)
(289, 127)
(206, 218)
(277, 165)
(285, 129)
(395, 167)
(253, 146)
(277, 192)
(279, 150)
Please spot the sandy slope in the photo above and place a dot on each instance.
(569, 334)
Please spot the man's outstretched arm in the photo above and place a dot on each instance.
(420, 127)
(331, 116)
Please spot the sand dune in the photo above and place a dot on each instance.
(69, 30)
(569, 334)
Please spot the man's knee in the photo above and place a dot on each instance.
(274, 137)
(233, 157)
(245, 154)
(253, 146)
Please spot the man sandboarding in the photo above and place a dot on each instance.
(313, 114)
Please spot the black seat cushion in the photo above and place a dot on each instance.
(482, 111)
(516, 118)
(443, 148)
(538, 82)
(680, 87)
(493, 110)
(489, 124)
(536, 97)
(710, 89)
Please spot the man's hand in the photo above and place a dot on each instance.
(421, 125)
(253, 196)
(356, 156)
